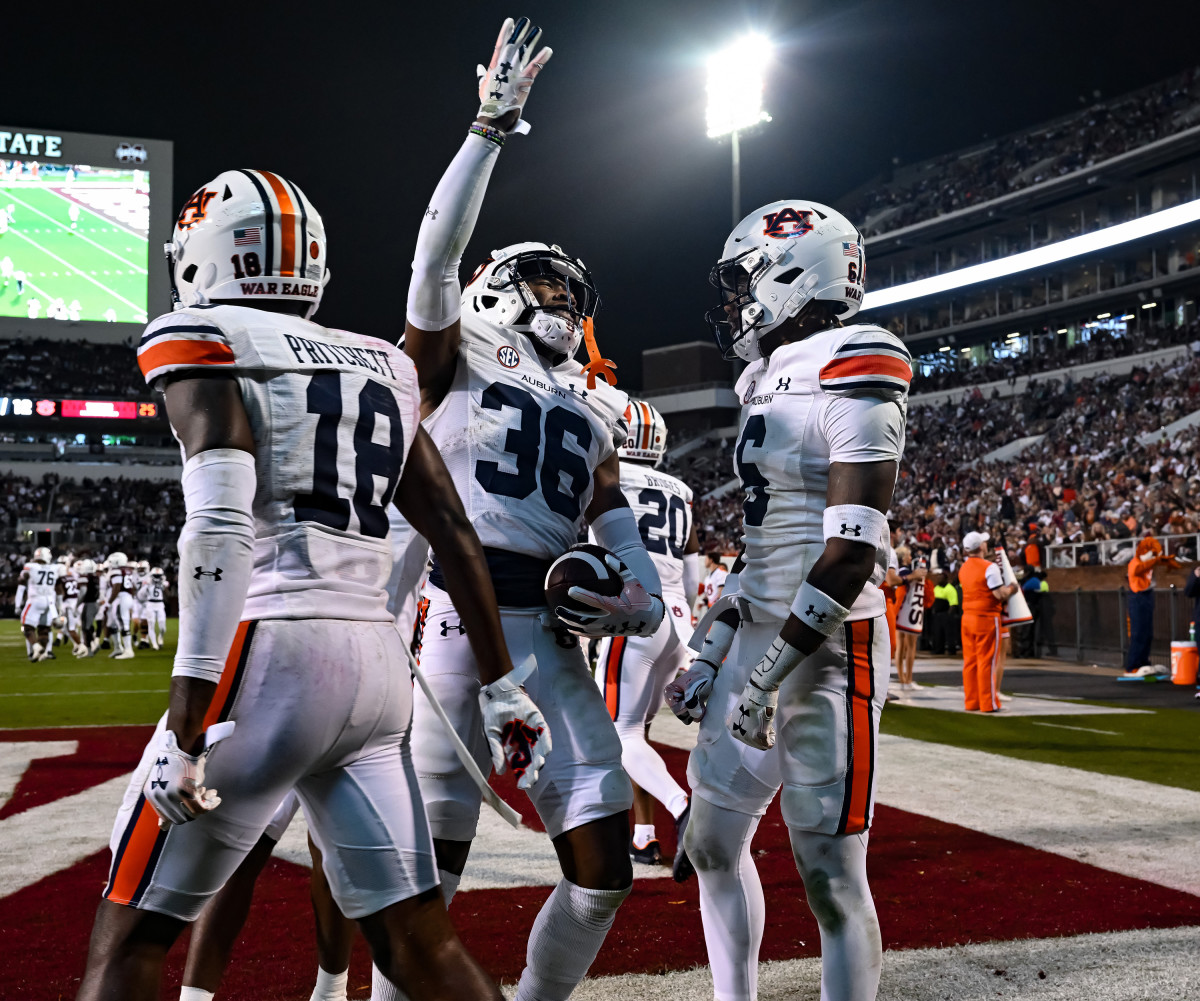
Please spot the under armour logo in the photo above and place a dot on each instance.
(783, 385)
(159, 782)
(495, 95)
(737, 725)
(819, 616)
(201, 572)
(505, 67)
(855, 531)
(431, 212)
(447, 626)
(582, 392)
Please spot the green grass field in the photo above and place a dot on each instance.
(100, 262)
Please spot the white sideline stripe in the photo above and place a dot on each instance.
(1082, 729)
(33, 208)
(107, 218)
(16, 756)
(1115, 966)
(129, 691)
(91, 674)
(71, 269)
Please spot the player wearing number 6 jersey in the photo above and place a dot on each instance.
(822, 430)
(632, 671)
(290, 673)
(532, 448)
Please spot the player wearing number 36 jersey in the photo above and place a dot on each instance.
(532, 448)
(800, 628)
(290, 673)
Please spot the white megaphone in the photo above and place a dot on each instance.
(1016, 609)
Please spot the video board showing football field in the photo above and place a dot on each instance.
(73, 241)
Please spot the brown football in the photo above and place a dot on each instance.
(580, 566)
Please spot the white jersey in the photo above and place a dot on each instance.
(840, 395)
(713, 583)
(333, 416)
(121, 577)
(663, 508)
(41, 580)
(522, 440)
(152, 590)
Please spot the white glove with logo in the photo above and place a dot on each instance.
(517, 734)
(504, 84)
(633, 611)
(688, 694)
(752, 722)
(175, 785)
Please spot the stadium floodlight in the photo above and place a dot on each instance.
(1040, 257)
(1149, 305)
(1103, 316)
(1127, 316)
(736, 78)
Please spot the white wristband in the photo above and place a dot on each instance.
(818, 611)
(856, 523)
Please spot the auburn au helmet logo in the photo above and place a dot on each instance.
(787, 223)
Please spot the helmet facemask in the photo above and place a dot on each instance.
(739, 313)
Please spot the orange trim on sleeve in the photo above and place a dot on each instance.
(287, 225)
(859, 680)
(131, 867)
(185, 353)
(865, 365)
(612, 676)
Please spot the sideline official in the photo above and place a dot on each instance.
(983, 595)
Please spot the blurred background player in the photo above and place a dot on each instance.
(89, 597)
(714, 580)
(119, 583)
(42, 593)
(501, 395)
(632, 671)
(152, 597)
(822, 432)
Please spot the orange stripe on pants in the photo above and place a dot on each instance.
(612, 676)
(135, 856)
(860, 682)
(225, 687)
(981, 648)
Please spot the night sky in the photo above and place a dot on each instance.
(363, 105)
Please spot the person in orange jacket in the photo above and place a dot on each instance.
(983, 595)
(1149, 555)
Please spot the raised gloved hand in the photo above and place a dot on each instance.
(175, 786)
(517, 735)
(504, 84)
(633, 611)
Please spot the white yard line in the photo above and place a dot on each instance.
(128, 691)
(71, 269)
(1081, 729)
(140, 269)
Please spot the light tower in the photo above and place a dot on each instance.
(736, 78)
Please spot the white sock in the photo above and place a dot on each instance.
(194, 994)
(732, 908)
(383, 989)
(568, 932)
(643, 834)
(646, 767)
(329, 986)
(834, 870)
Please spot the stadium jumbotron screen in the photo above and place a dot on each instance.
(78, 214)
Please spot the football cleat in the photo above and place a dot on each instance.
(648, 854)
(681, 868)
(36, 652)
(124, 655)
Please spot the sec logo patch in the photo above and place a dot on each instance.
(749, 392)
(508, 356)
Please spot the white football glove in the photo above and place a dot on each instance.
(504, 84)
(633, 611)
(517, 734)
(688, 694)
(752, 722)
(175, 785)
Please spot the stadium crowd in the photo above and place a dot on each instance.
(1076, 142)
(66, 368)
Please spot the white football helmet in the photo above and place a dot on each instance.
(117, 560)
(499, 291)
(157, 573)
(41, 555)
(776, 261)
(143, 566)
(248, 235)
(85, 567)
(647, 438)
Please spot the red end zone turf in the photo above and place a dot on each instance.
(935, 885)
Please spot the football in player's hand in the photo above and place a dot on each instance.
(583, 566)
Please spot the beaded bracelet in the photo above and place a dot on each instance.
(488, 132)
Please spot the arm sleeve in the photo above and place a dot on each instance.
(691, 575)
(994, 577)
(863, 429)
(617, 530)
(434, 296)
(216, 555)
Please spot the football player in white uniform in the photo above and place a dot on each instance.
(289, 672)
(715, 580)
(802, 623)
(532, 448)
(632, 671)
(71, 591)
(120, 587)
(42, 590)
(151, 597)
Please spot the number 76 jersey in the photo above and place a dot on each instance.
(333, 416)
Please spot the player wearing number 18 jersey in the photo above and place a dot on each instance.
(822, 430)
(290, 672)
(532, 448)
